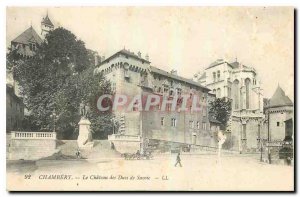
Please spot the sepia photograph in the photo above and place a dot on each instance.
(154, 98)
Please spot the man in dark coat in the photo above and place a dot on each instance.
(178, 160)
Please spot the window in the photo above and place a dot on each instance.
(247, 83)
(236, 94)
(173, 122)
(171, 92)
(229, 92)
(218, 93)
(204, 126)
(32, 46)
(191, 124)
(219, 75)
(162, 121)
(198, 125)
(159, 89)
(126, 74)
(278, 124)
(214, 76)
(166, 89)
(169, 107)
(178, 91)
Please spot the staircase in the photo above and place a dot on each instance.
(101, 149)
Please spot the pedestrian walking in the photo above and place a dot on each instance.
(178, 160)
(78, 153)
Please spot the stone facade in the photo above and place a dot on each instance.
(132, 75)
(14, 110)
(27, 145)
(241, 85)
(278, 110)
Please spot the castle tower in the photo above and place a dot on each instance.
(46, 25)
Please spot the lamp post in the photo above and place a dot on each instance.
(113, 123)
(54, 116)
(269, 138)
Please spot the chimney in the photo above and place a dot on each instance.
(174, 72)
(139, 54)
(147, 57)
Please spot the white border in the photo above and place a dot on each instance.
(5, 3)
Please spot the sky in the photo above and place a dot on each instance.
(187, 39)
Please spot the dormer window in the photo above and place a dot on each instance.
(32, 46)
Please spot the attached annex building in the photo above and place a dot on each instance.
(240, 84)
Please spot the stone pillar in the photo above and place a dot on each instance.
(84, 139)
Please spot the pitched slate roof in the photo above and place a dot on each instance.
(47, 21)
(279, 99)
(125, 52)
(165, 73)
(29, 35)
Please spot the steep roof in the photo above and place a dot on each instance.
(279, 99)
(29, 35)
(125, 52)
(176, 77)
(221, 61)
(47, 21)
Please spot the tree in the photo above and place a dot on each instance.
(220, 109)
(58, 78)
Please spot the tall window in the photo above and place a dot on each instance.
(178, 92)
(173, 122)
(218, 93)
(229, 92)
(214, 76)
(204, 126)
(162, 121)
(247, 83)
(198, 125)
(219, 75)
(236, 94)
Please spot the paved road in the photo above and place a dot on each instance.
(199, 172)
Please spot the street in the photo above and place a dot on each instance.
(203, 172)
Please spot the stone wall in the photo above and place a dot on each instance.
(31, 145)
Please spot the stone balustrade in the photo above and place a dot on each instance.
(124, 137)
(32, 135)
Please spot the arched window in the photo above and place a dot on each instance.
(247, 84)
(236, 94)
(218, 93)
(214, 76)
(218, 75)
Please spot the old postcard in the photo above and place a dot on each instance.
(150, 98)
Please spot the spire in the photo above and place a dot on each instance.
(280, 99)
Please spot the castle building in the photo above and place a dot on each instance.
(240, 84)
(279, 116)
(130, 74)
(27, 42)
(46, 26)
(25, 45)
